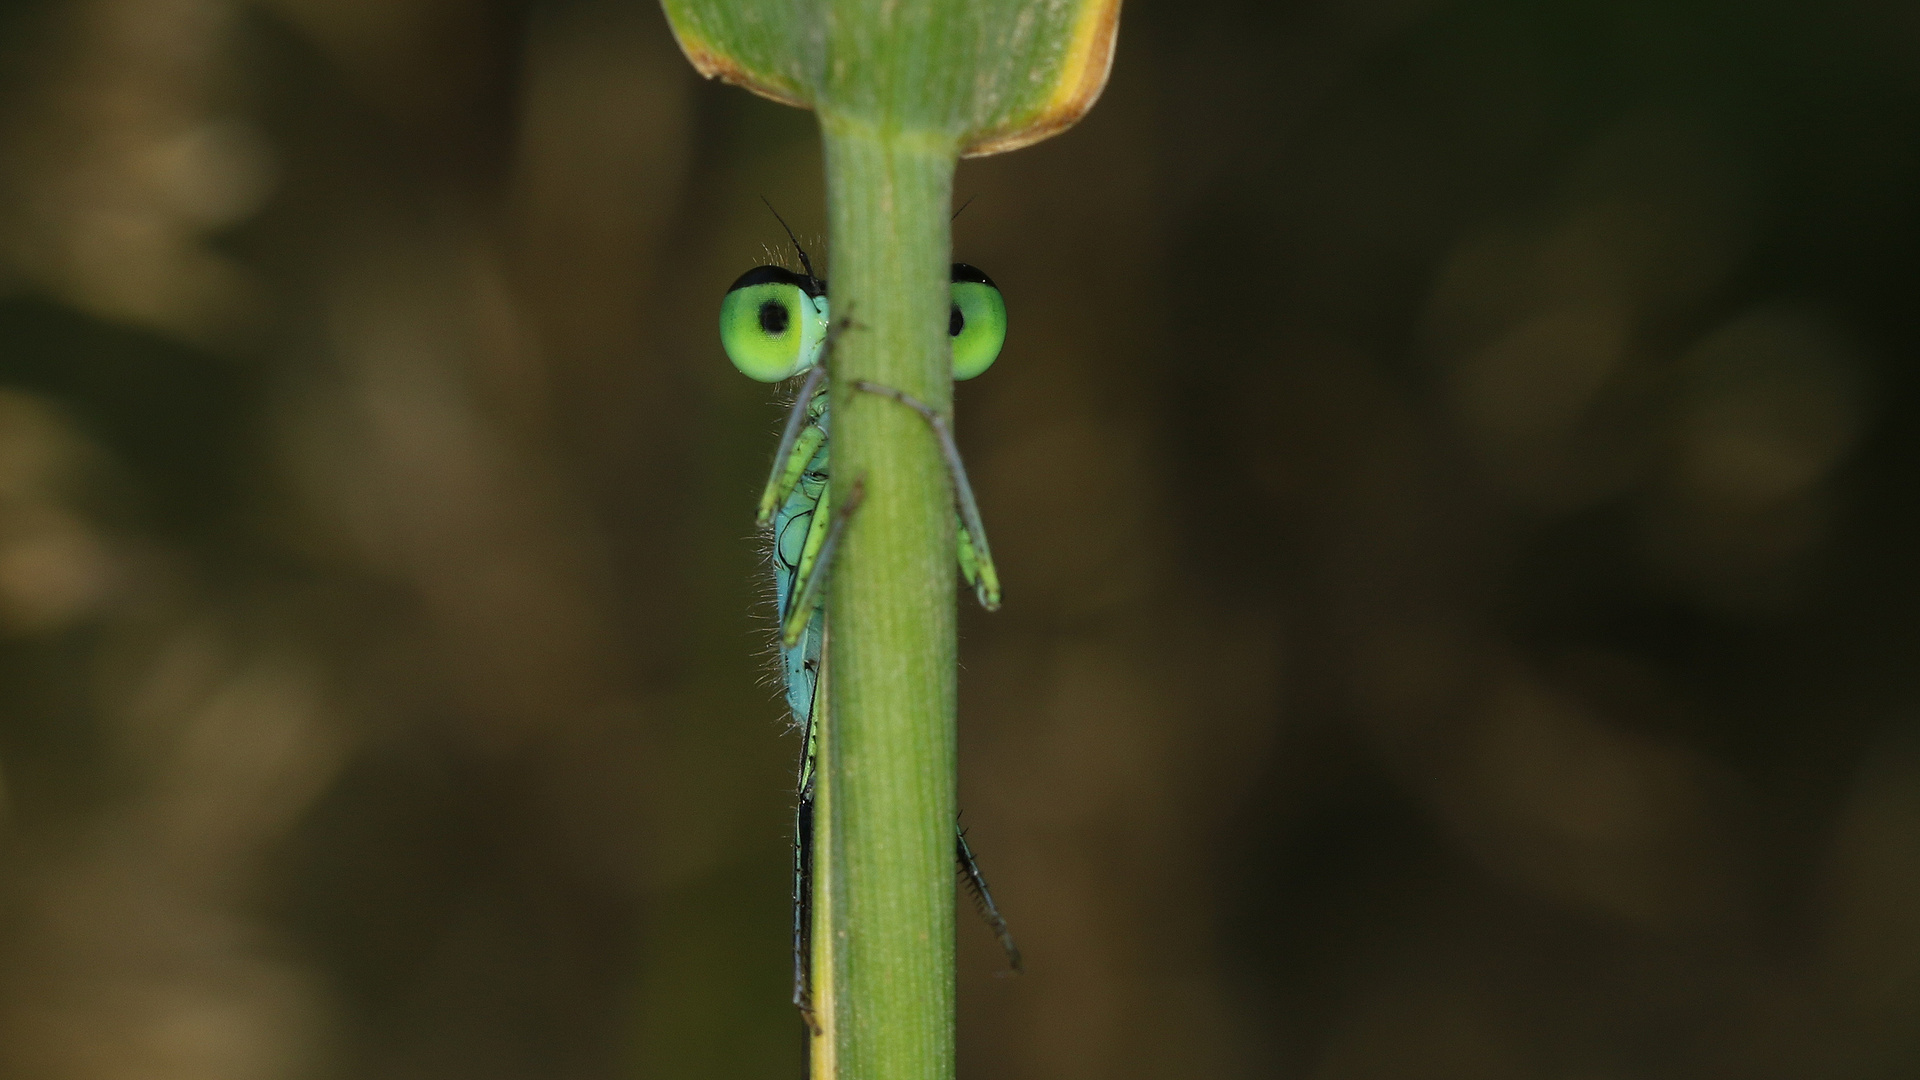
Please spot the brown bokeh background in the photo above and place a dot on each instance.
(1452, 469)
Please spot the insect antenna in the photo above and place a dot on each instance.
(805, 262)
(963, 208)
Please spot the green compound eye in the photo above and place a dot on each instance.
(978, 324)
(773, 323)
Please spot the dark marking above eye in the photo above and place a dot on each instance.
(964, 272)
(774, 318)
(956, 322)
(779, 275)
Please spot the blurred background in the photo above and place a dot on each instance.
(1452, 470)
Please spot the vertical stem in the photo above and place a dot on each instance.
(822, 1062)
(889, 763)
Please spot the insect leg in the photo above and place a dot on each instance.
(981, 574)
(814, 575)
(983, 898)
(803, 433)
(791, 458)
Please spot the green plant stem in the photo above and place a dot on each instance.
(887, 882)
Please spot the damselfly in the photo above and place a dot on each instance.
(775, 326)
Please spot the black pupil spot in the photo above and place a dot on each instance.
(956, 322)
(773, 317)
